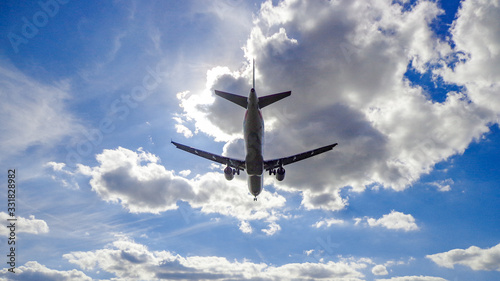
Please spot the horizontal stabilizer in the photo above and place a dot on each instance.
(239, 100)
(267, 100)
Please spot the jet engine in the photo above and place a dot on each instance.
(228, 173)
(280, 174)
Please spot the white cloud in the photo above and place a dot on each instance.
(62, 175)
(393, 263)
(394, 220)
(473, 257)
(245, 227)
(32, 270)
(476, 33)
(195, 106)
(413, 278)
(137, 181)
(309, 252)
(443, 185)
(185, 173)
(272, 229)
(181, 129)
(379, 270)
(32, 113)
(26, 225)
(129, 260)
(345, 65)
(56, 166)
(327, 201)
(327, 222)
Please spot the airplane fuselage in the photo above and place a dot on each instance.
(253, 130)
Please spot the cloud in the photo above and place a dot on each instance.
(245, 227)
(137, 181)
(473, 257)
(32, 113)
(379, 270)
(327, 222)
(30, 225)
(129, 260)
(272, 229)
(413, 278)
(475, 65)
(62, 175)
(346, 65)
(121, 177)
(185, 173)
(394, 220)
(443, 185)
(181, 129)
(32, 270)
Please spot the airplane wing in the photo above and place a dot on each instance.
(237, 164)
(276, 163)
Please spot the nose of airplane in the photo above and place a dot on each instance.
(255, 184)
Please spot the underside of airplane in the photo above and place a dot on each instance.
(253, 130)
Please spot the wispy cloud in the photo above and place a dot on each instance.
(443, 185)
(32, 113)
(413, 278)
(327, 222)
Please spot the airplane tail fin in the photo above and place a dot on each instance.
(267, 100)
(253, 77)
(243, 101)
(239, 100)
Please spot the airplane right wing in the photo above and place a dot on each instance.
(237, 164)
(276, 163)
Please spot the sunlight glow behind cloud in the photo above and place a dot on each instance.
(408, 88)
(388, 134)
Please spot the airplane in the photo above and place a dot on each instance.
(253, 131)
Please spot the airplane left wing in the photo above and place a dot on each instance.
(237, 164)
(276, 163)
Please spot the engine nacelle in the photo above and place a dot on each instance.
(280, 174)
(228, 173)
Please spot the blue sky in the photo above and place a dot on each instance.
(93, 93)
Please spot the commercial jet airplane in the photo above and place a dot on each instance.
(253, 130)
